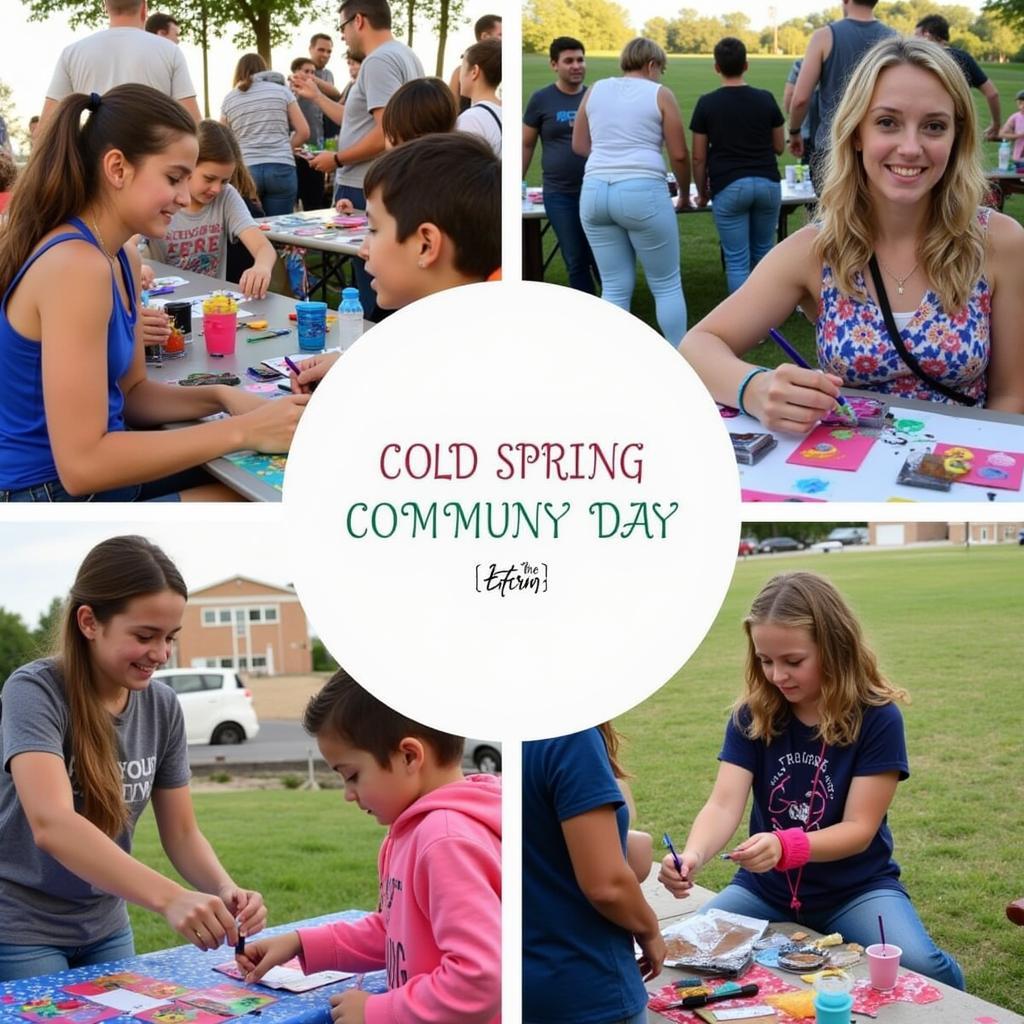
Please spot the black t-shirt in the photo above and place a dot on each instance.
(969, 66)
(738, 121)
(552, 113)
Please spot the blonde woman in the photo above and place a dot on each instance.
(818, 740)
(265, 117)
(625, 207)
(903, 188)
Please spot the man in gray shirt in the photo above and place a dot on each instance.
(121, 54)
(387, 65)
(832, 53)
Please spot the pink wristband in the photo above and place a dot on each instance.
(796, 849)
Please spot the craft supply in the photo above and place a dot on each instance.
(311, 318)
(725, 856)
(800, 959)
(881, 931)
(751, 447)
(671, 849)
(257, 325)
(270, 334)
(842, 407)
(167, 290)
(924, 469)
(692, 1002)
(842, 448)
(832, 999)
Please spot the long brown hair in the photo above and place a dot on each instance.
(217, 144)
(850, 677)
(249, 64)
(612, 739)
(112, 574)
(63, 175)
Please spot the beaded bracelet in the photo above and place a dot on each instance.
(743, 387)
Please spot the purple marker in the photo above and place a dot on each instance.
(166, 290)
(291, 366)
(800, 361)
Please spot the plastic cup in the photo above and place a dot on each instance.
(883, 965)
(790, 174)
(311, 319)
(219, 331)
(174, 343)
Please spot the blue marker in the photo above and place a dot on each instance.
(667, 839)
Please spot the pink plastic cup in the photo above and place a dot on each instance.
(883, 965)
(219, 332)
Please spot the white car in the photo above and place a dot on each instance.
(825, 546)
(216, 704)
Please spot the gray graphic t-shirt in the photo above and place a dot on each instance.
(41, 902)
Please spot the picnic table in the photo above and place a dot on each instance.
(928, 423)
(194, 968)
(256, 478)
(536, 224)
(954, 1007)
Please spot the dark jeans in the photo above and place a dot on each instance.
(311, 185)
(277, 185)
(563, 212)
(167, 488)
(367, 296)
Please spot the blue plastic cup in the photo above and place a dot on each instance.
(311, 318)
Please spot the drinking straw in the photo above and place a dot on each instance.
(881, 929)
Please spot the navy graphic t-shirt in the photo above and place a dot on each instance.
(553, 113)
(784, 772)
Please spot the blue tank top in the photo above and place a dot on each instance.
(26, 458)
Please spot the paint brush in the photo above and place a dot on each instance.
(667, 840)
(786, 347)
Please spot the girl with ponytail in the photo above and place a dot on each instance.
(105, 169)
(87, 739)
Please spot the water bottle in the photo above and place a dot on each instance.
(1004, 155)
(350, 317)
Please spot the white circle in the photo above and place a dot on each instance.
(600, 622)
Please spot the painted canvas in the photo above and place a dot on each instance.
(833, 447)
(983, 467)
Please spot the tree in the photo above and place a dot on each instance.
(792, 40)
(599, 24)
(16, 644)
(322, 660)
(14, 129)
(49, 625)
(657, 30)
(1010, 12)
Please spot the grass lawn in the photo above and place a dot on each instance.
(946, 625)
(308, 853)
(703, 277)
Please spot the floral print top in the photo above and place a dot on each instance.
(853, 342)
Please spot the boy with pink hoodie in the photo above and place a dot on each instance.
(437, 928)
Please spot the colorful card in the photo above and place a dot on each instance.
(228, 1000)
(157, 988)
(69, 1009)
(749, 495)
(983, 467)
(831, 447)
(180, 1013)
(269, 468)
(288, 976)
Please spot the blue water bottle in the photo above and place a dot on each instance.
(350, 317)
(832, 1000)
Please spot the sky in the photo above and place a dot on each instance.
(29, 50)
(38, 561)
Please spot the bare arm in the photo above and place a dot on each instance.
(700, 167)
(369, 146)
(787, 96)
(44, 791)
(256, 279)
(675, 142)
(311, 88)
(1006, 276)
(331, 91)
(49, 106)
(991, 94)
(299, 125)
(455, 82)
(191, 853)
(192, 108)
(581, 130)
(818, 48)
(530, 136)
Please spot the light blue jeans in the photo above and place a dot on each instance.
(630, 219)
(746, 213)
(19, 961)
(278, 187)
(857, 921)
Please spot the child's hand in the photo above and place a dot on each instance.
(653, 953)
(679, 883)
(254, 282)
(156, 325)
(348, 1008)
(344, 206)
(260, 956)
(313, 371)
(247, 907)
(146, 276)
(269, 428)
(791, 398)
(761, 852)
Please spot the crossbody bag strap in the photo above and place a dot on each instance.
(901, 348)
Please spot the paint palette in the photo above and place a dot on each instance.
(983, 467)
(832, 447)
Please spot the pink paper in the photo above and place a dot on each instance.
(988, 468)
(180, 1013)
(768, 984)
(105, 983)
(349, 222)
(832, 447)
(64, 1010)
(747, 495)
(909, 988)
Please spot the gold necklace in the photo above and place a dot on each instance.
(103, 245)
(900, 281)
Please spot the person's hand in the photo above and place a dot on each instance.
(260, 956)
(760, 853)
(201, 918)
(349, 1007)
(146, 276)
(796, 145)
(323, 162)
(156, 325)
(992, 133)
(652, 949)
(791, 398)
(269, 428)
(344, 206)
(312, 371)
(236, 402)
(703, 198)
(254, 283)
(302, 84)
(678, 882)
(246, 905)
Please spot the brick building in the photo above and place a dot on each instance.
(247, 625)
(899, 534)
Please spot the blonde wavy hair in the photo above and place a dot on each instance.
(953, 252)
(850, 677)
